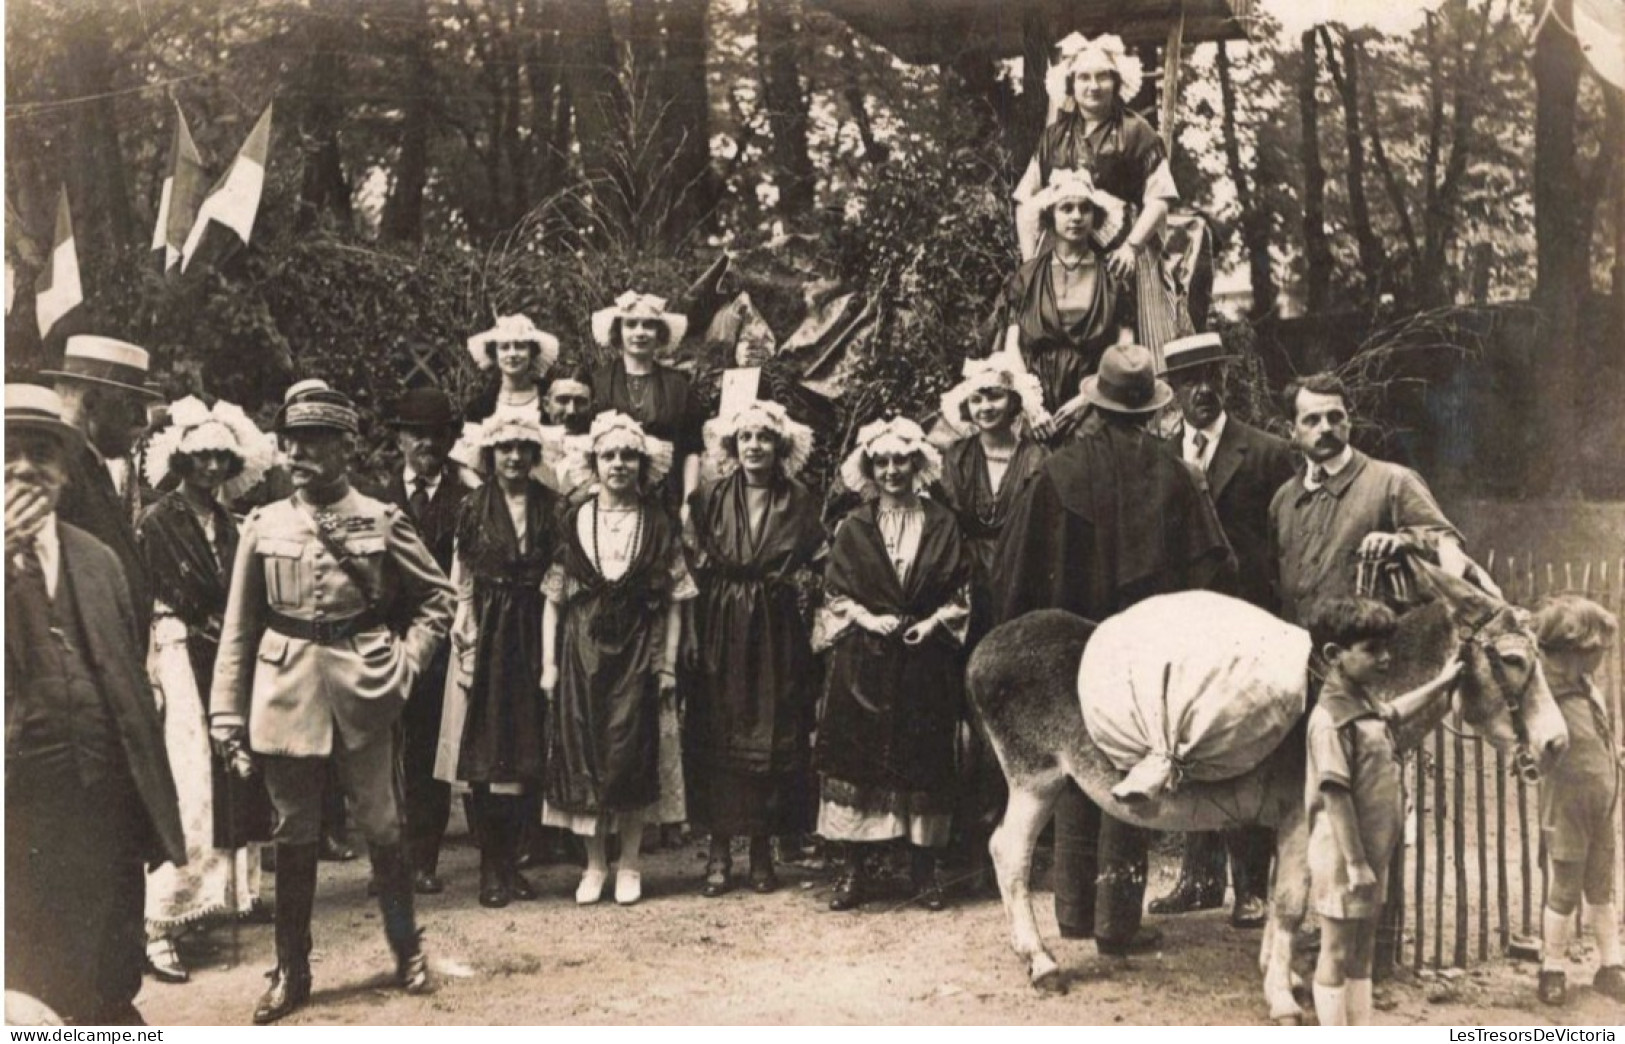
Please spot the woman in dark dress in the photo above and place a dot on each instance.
(1063, 309)
(522, 355)
(610, 636)
(506, 537)
(188, 541)
(898, 590)
(752, 531)
(659, 397)
(1092, 129)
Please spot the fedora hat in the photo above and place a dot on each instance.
(424, 409)
(30, 406)
(105, 361)
(1127, 382)
(313, 404)
(1184, 353)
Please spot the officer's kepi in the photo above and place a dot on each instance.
(312, 404)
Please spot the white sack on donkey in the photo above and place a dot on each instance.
(1193, 685)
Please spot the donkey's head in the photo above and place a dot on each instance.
(1503, 693)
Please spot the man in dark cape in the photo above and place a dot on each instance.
(1113, 518)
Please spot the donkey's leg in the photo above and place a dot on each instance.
(1031, 801)
(1289, 902)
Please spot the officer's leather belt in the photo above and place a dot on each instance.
(323, 632)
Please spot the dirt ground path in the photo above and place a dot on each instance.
(677, 958)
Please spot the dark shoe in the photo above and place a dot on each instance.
(163, 963)
(259, 912)
(520, 888)
(412, 972)
(494, 891)
(764, 882)
(762, 878)
(1069, 932)
(1146, 940)
(425, 882)
(290, 991)
(1554, 987)
(1249, 912)
(719, 880)
(1185, 898)
(335, 851)
(927, 885)
(848, 891)
(1610, 982)
(931, 896)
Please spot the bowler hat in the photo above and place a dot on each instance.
(1127, 382)
(105, 361)
(424, 409)
(33, 407)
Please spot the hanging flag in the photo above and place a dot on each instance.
(1599, 25)
(182, 194)
(234, 201)
(57, 291)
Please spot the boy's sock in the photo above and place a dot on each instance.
(1556, 932)
(1331, 1005)
(1605, 922)
(1357, 1001)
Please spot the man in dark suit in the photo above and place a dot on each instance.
(102, 385)
(1243, 467)
(90, 801)
(430, 488)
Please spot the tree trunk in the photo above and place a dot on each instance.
(1373, 259)
(403, 210)
(1317, 250)
(786, 107)
(599, 106)
(686, 121)
(1562, 259)
(549, 105)
(99, 176)
(1255, 220)
(324, 188)
(1037, 37)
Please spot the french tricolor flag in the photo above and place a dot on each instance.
(182, 195)
(234, 201)
(58, 290)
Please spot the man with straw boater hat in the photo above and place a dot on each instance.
(102, 384)
(90, 801)
(1243, 467)
(336, 608)
(1111, 519)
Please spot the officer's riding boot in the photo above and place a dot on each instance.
(1201, 876)
(295, 895)
(394, 875)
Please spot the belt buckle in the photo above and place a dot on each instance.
(326, 631)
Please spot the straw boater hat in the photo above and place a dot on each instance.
(1066, 183)
(195, 428)
(1072, 49)
(313, 404)
(106, 362)
(761, 415)
(1184, 353)
(1127, 382)
(897, 435)
(514, 328)
(31, 407)
(633, 305)
(613, 430)
(1006, 370)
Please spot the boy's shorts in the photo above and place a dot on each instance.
(1582, 831)
(1329, 893)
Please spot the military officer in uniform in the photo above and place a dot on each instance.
(310, 669)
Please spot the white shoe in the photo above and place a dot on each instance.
(628, 887)
(591, 888)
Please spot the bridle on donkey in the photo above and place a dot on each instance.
(1524, 763)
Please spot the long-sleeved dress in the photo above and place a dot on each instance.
(982, 493)
(1060, 346)
(186, 558)
(885, 753)
(749, 720)
(613, 582)
(504, 550)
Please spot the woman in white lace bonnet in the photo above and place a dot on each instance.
(897, 592)
(188, 540)
(611, 630)
(753, 531)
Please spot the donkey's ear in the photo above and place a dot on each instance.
(1469, 606)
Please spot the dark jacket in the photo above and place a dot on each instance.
(117, 658)
(90, 502)
(438, 526)
(1248, 466)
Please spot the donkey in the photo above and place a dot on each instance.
(1022, 682)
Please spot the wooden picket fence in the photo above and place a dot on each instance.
(1474, 867)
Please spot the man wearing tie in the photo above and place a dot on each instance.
(430, 488)
(89, 796)
(102, 385)
(1243, 467)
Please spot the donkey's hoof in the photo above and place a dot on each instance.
(1046, 975)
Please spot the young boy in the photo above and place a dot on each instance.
(1354, 796)
(1579, 798)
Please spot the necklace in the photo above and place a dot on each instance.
(509, 398)
(1084, 260)
(616, 530)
